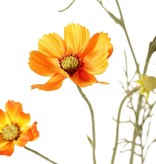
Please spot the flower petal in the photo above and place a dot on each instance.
(28, 134)
(6, 148)
(76, 38)
(2, 141)
(16, 114)
(53, 83)
(22, 140)
(83, 79)
(52, 45)
(96, 54)
(33, 132)
(42, 64)
(4, 120)
(92, 69)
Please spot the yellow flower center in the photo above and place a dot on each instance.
(10, 132)
(70, 64)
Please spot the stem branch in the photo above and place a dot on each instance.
(127, 36)
(118, 122)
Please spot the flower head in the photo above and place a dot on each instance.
(14, 129)
(77, 57)
(147, 84)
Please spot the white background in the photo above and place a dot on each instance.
(62, 115)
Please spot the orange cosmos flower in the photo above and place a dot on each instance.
(77, 57)
(14, 129)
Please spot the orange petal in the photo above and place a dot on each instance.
(42, 64)
(76, 38)
(96, 54)
(22, 140)
(16, 114)
(83, 79)
(33, 132)
(110, 51)
(28, 134)
(2, 142)
(52, 45)
(4, 120)
(6, 148)
(97, 68)
(55, 82)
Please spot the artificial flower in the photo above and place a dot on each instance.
(147, 84)
(77, 57)
(14, 129)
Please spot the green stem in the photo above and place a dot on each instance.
(127, 36)
(39, 154)
(67, 6)
(148, 57)
(135, 133)
(121, 22)
(133, 147)
(93, 142)
(146, 64)
(138, 109)
(118, 122)
(148, 149)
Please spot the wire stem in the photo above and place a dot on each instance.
(39, 154)
(127, 36)
(118, 122)
(67, 6)
(93, 141)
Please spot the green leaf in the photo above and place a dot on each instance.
(117, 20)
(89, 139)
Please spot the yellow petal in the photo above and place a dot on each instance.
(149, 82)
(76, 38)
(52, 45)
(4, 120)
(16, 114)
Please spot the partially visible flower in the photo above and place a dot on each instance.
(147, 84)
(14, 129)
(77, 57)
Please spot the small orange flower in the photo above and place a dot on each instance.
(77, 57)
(14, 129)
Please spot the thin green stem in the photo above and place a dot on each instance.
(118, 122)
(135, 133)
(139, 108)
(93, 141)
(148, 149)
(67, 6)
(121, 22)
(133, 147)
(147, 62)
(39, 154)
(127, 36)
